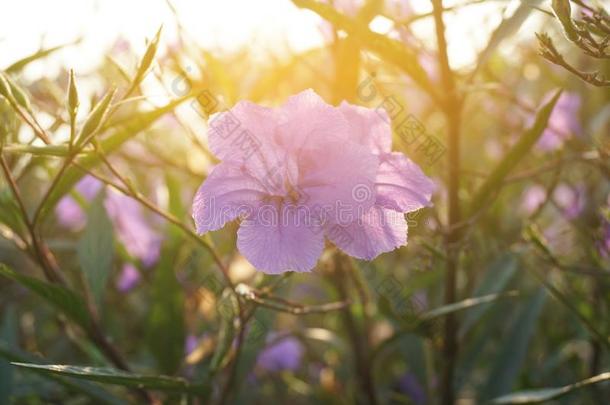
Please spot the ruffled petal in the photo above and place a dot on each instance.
(401, 185)
(379, 230)
(368, 127)
(308, 122)
(227, 193)
(279, 239)
(337, 182)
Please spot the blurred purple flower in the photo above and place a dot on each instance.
(532, 198)
(128, 279)
(408, 384)
(69, 212)
(190, 344)
(563, 122)
(571, 199)
(284, 354)
(138, 237)
(604, 243)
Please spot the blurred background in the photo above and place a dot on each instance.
(104, 269)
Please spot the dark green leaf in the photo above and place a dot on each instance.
(514, 155)
(226, 334)
(546, 394)
(496, 278)
(514, 348)
(118, 377)
(8, 335)
(96, 248)
(59, 297)
(165, 332)
(93, 391)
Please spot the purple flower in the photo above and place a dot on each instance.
(570, 199)
(408, 384)
(281, 355)
(533, 197)
(128, 279)
(563, 122)
(69, 212)
(306, 171)
(133, 230)
(604, 243)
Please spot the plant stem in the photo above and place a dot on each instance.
(452, 106)
(358, 339)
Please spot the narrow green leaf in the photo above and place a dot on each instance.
(494, 182)
(226, 334)
(563, 12)
(97, 394)
(59, 297)
(96, 118)
(547, 394)
(18, 94)
(96, 248)
(73, 102)
(148, 58)
(165, 328)
(506, 29)
(496, 278)
(117, 377)
(8, 335)
(390, 50)
(514, 348)
(22, 63)
(465, 304)
(110, 144)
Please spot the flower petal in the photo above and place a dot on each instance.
(368, 127)
(379, 230)
(227, 193)
(401, 185)
(307, 121)
(338, 181)
(280, 239)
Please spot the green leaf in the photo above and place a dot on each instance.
(494, 182)
(465, 304)
(8, 334)
(10, 214)
(514, 348)
(147, 59)
(97, 394)
(43, 53)
(96, 118)
(59, 297)
(117, 377)
(496, 278)
(96, 248)
(506, 29)
(165, 332)
(110, 144)
(226, 333)
(390, 50)
(547, 394)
